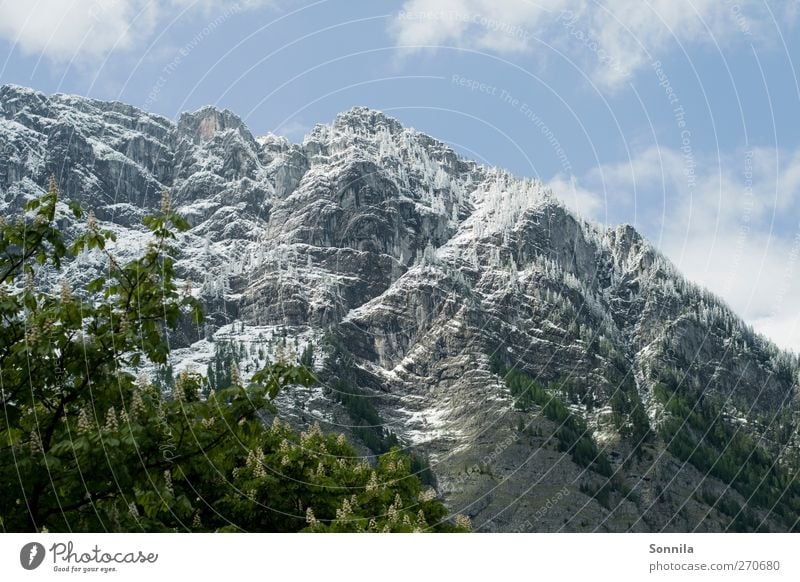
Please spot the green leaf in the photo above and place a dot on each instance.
(75, 207)
(95, 285)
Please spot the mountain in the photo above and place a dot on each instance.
(547, 374)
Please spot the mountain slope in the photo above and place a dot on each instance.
(555, 375)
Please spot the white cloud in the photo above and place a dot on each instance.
(729, 228)
(64, 30)
(294, 130)
(611, 40)
(583, 202)
(61, 29)
(500, 25)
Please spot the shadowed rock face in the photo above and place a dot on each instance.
(421, 266)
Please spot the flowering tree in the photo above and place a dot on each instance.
(87, 445)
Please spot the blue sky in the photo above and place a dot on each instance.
(678, 116)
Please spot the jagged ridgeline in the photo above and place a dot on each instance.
(547, 374)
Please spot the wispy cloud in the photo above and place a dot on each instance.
(78, 30)
(294, 130)
(611, 40)
(583, 202)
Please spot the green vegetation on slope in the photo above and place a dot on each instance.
(572, 433)
(695, 431)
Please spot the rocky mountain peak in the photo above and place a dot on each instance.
(15, 98)
(9, 92)
(629, 247)
(203, 124)
(366, 120)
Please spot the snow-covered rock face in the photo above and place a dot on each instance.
(422, 265)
